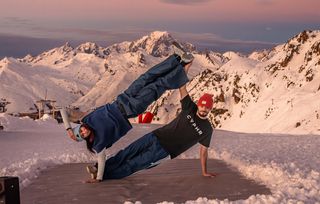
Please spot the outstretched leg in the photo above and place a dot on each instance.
(152, 74)
(151, 85)
(139, 155)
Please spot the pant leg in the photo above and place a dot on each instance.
(139, 155)
(152, 74)
(138, 103)
(127, 153)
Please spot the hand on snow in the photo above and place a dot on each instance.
(211, 175)
(71, 134)
(93, 181)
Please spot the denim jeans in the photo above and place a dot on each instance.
(141, 154)
(169, 74)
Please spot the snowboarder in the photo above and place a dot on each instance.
(108, 123)
(191, 126)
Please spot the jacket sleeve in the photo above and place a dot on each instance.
(101, 164)
(187, 103)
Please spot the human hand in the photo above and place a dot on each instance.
(71, 134)
(92, 181)
(187, 67)
(211, 175)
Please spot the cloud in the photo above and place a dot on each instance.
(210, 41)
(20, 46)
(15, 25)
(15, 21)
(265, 2)
(185, 2)
(102, 37)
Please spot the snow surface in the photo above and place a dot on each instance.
(288, 164)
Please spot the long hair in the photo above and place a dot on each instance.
(87, 139)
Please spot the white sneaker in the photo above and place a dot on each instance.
(185, 56)
(75, 115)
(93, 171)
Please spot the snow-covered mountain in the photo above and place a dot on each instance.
(267, 91)
(61, 74)
(278, 92)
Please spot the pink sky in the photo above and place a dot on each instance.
(205, 22)
(146, 10)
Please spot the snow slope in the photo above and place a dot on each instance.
(289, 165)
(273, 91)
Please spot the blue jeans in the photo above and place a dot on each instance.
(141, 154)
(169, 74)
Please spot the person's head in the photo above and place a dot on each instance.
(205, 105)
(83, 132)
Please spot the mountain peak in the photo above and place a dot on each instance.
(67, 45)
(304, 36)
(159, 35)
(87, 47)
(302, 48)
(91, 48)
(66, 48)
(156, 44)
(7, 60)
